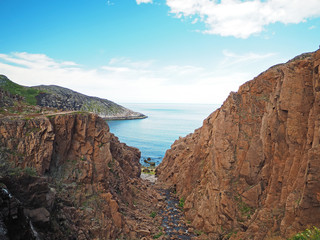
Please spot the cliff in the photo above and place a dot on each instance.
(65, 99)
(252, 170)
(66, 176)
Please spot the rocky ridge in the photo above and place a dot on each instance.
(252, 170)
(65, 99)
(72, 179)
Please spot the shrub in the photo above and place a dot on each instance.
(181, 202)
(153, 214)
(308, 234)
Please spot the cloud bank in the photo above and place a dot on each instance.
(243, 18)
(125, 80)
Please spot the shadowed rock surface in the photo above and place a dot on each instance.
(74, 179)
(252, 170)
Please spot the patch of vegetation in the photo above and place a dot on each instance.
(230, 234)
(111, 165)
(153, 214)
(158, 235)
(28, 93)
(8, 168)
(198, 232)
(308, 234)
(134, 203)
(101, 145)
(181, 202)
(245, 210)
(18, 171)
(30, 171)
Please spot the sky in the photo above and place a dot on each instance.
(152, 51)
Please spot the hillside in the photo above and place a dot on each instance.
(252, 170)
(67, 100)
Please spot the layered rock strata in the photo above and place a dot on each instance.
(73, 178)
(252, 170)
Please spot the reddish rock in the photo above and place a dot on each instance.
(92, 176)
(254, 164)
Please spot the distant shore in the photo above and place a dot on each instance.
(124, 118)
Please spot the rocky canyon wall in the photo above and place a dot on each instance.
(71, 176)
(252, 170)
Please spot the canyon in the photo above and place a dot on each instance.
(250, 172)
(72, 179)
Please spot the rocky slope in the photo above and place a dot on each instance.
(66, 176)
(66, 99)
(252, 170)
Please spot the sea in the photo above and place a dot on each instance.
(165, 124)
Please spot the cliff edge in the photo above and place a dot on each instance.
(65, 176)
(252, 170)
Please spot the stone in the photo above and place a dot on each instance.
(143, 232)
(254, 164)
(38, 215)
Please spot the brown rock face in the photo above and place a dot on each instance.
(253, 167)
(74, 178)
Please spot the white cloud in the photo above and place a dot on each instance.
(242, 18)
(126, 80)
(38, 61)
(143, 1)
(232, 58)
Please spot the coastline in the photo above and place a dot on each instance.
(116, 118)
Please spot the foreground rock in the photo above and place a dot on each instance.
(252, 170)
(73, 179)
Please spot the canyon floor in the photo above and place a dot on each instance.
(167, 212)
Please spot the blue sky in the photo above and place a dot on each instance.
(191, 51)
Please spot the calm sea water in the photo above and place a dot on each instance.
(165, 123)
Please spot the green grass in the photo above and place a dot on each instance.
(181, 202)
(198, 232)
(158, 235)
(245, 210)
(153, 214)
(28, 93)
(308, 234)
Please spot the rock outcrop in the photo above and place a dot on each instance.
(62, 99)
(73, 178)
(252, 170)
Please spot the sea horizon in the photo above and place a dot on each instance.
(166, 122)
